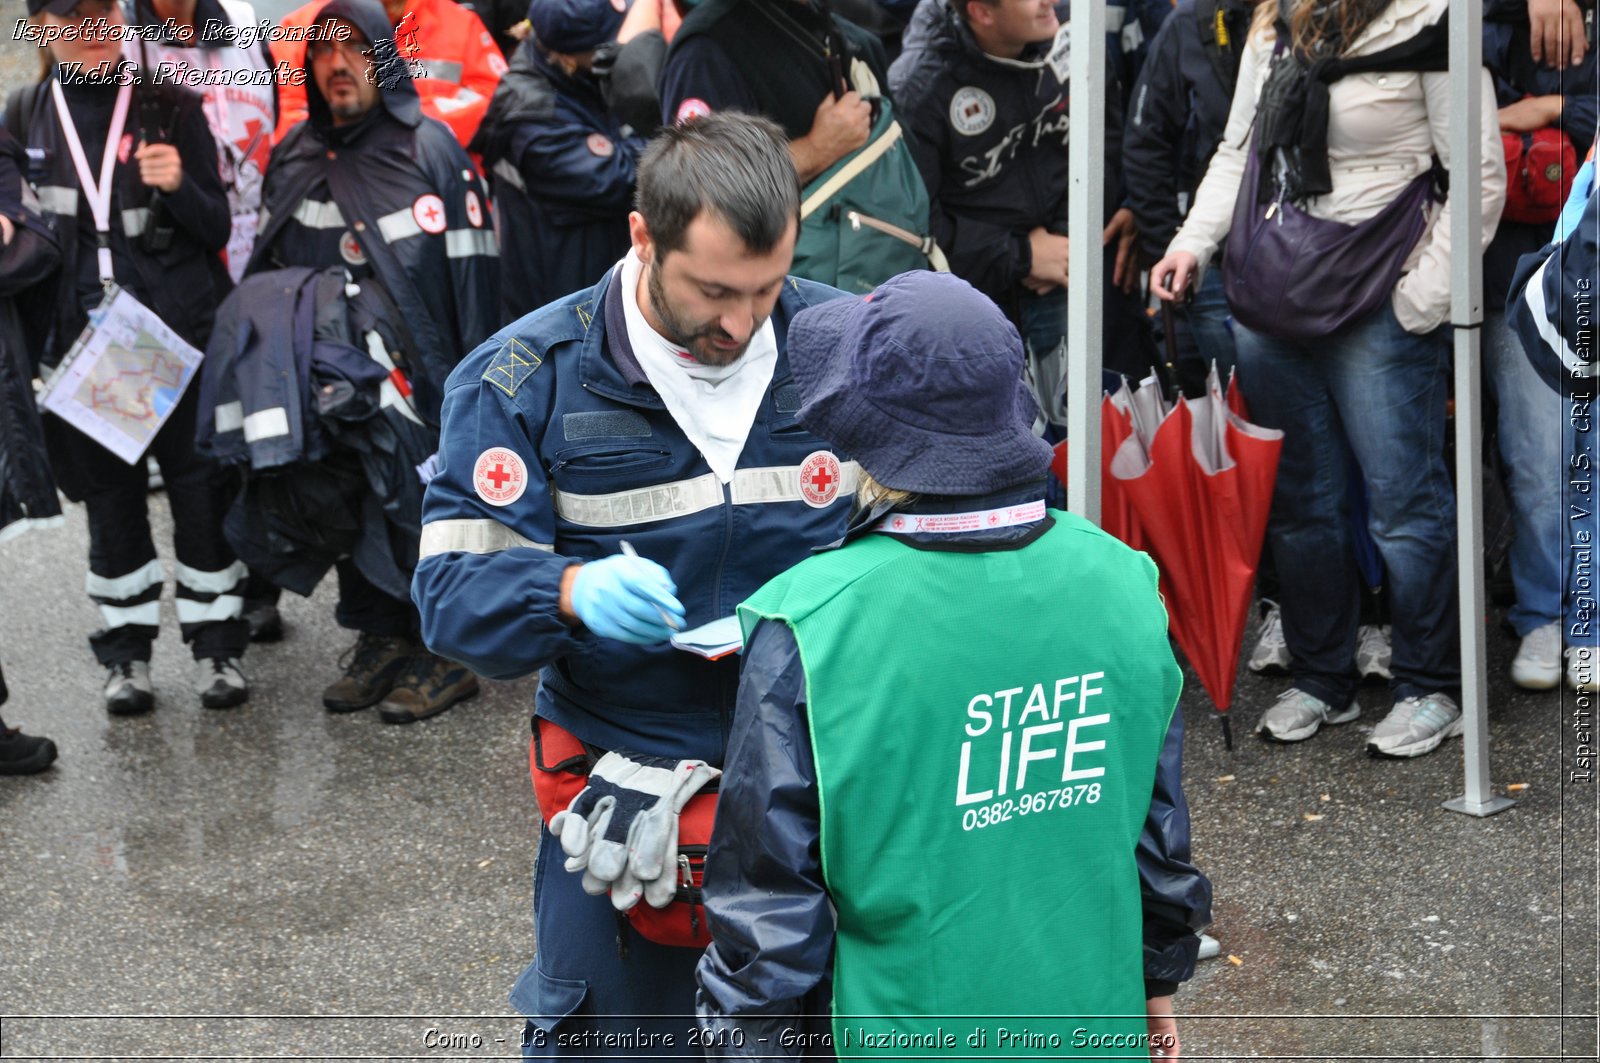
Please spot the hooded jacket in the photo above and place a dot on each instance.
(990, 138)
(562, 168)
(394, 197)
(447, 47)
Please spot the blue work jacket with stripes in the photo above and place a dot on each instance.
(554, 448)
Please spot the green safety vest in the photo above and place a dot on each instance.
(986, 728)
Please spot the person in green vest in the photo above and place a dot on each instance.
(951, 815)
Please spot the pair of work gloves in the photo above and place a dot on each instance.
(621, 831)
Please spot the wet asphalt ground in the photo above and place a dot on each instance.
(278, 882)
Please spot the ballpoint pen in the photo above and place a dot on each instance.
(666, 617)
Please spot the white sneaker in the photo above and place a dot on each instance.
(1372, 652)
(1296, 716)
(1583, 664)
(1537, 665)
(128, 691)
(220, 683)
(1271, 655)
(1415, 726)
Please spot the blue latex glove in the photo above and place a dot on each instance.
(623, 597)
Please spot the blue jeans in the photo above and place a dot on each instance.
(1207, 317)
(1382, 389)
(1530, 427)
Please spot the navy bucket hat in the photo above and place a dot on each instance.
(572, 27)
(920, 382)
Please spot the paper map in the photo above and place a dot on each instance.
(122, 378)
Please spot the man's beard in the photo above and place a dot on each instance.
(692, 339)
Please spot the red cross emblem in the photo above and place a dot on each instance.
(499, 476)
(428, 211)
(819, 479)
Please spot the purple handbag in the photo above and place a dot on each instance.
(1295, 277)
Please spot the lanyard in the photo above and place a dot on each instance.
(960, 523)
(99, 194)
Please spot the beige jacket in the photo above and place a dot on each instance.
(1383, 130)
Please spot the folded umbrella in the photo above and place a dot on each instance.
(1200, 490)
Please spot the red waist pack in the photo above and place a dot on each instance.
(560, 764)
(1540, 167)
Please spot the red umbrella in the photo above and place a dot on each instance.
(1200, 490)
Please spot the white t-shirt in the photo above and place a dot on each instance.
(714, 405)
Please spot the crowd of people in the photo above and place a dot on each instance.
(532, 325)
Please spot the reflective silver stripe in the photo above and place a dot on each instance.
(781, 483)
(141, 579)
(135, 220)
(222, 607)
(443, 69)
(148, 615)
(315, 214)
(506, 171)
(399, 225)
(57, 199)
(203, 582)
(229, 416)
(473, 537)
(641, 506)
(266, 424)
(464, 243)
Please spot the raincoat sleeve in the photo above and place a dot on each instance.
(488, 582)
(567, 159)
(1176, 896)
(1153, 143)
(771, 924)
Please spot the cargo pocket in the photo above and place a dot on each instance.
(545, 1001)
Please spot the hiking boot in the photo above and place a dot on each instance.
(370, 668)
(22, 754)
(1271, 655)
(1373, 653)
(128, 691)
(429, 685)
(1296, 716)
(266, 624)
(1537, 665)
(1582, 662)
(220, 683)
(1415, 726)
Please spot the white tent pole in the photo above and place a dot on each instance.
(1466, 314)
(1085, 267)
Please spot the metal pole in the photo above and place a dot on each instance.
(1085, 267)
(1466, 314)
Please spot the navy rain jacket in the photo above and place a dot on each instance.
(558, 404)
(395, 197)
(563, 169)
